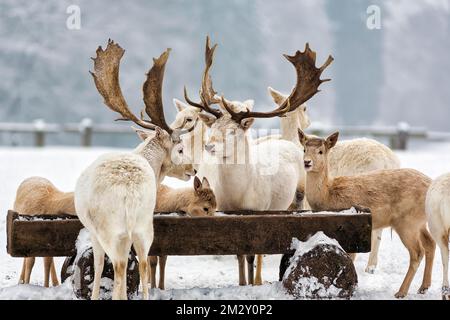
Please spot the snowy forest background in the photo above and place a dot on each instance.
(398, 73)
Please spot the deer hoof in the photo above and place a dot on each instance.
(445, 293)
(422, 290)
(371, 269)
(400, 295)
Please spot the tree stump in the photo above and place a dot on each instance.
(81, 273)
(319, 269)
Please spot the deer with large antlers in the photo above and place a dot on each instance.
(244, 175)
(115, 196)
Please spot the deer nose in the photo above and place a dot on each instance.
(308, 163)
(195, 171)
(209, 147)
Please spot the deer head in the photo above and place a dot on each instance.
(316, 151)
(233, 123)
(158, 137)
(301, 115)
(204, 201)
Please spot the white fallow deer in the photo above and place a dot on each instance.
(38, 196)
(396, 199)
(437, 206)
(115, 196)
(198, 201)
(347, 158)
(245, 176)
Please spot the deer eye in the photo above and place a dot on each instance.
(205, 209)
(304, 109)
(180, 151)
(320, 152)
(189, 119)
(304, 150)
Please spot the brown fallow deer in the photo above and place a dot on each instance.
(396, 199)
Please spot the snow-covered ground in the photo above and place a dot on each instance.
(203, 277)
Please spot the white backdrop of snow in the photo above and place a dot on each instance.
(203, 277)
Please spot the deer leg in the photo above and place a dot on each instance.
(53, 274)
(162, 271)
(375, 245)
(99, 261)
(430, 247)
(443, 246)
(29, 264)
(142, 246)
(241, 265)
(153, 262)
(411, 240)
(251, 268)
(47, 265)
(22, 274)
(258, 276)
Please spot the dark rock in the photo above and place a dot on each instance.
(81, 274)
(319, 269)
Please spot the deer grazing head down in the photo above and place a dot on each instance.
(204, 201)
(233, 121)
(316, 151)
(156, 134)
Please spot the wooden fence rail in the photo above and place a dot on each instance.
(398, 136)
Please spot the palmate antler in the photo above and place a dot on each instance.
(207, 92)
(308, 82)
(106, 78)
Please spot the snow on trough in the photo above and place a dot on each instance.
(200, 277)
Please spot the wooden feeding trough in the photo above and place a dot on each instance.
(230, 233)
(237, 232)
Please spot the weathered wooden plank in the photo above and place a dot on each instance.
(260, 232)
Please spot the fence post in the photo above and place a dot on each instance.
(39, 132)
(400, 140)
(86, 132)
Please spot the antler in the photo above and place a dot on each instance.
(207, 93)
(152, 90)
(308, 82)
(106, 78)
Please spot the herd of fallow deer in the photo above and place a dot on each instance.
(116, 195)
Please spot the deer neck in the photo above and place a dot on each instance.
(318, 189)
(154, 154)
(289, 125)
(169, 200)
(63, 202)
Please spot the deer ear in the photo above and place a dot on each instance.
(207, 119)
(142, 134)
(197, 184)
(205, 183)
(331, 140)
(302, 137)
(247, 123)
(158, 132)
(277, 96)
(179, 105)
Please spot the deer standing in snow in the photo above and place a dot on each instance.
(396, 199)
(38, 196)
(245, 176)
(115, 196)
(196, 202)
(347, 158)
(437, 206)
